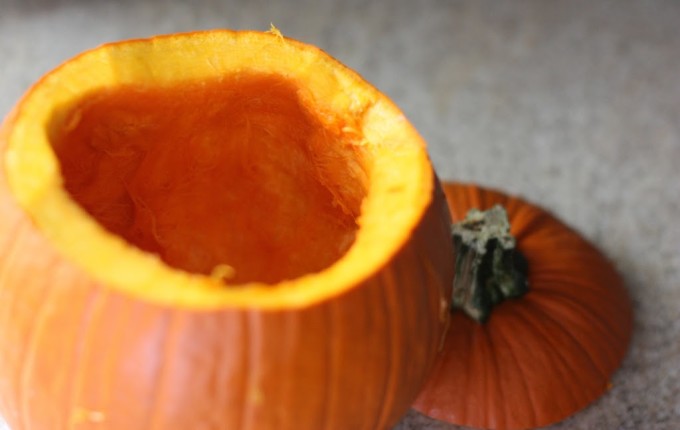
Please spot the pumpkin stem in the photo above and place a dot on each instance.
(489, 269)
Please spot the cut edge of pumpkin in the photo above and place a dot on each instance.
(399, 190)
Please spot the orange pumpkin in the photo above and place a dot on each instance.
(541, 357)
(216, 230)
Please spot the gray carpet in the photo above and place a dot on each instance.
(573, 104)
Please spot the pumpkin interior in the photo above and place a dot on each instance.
(245, 156)
(233, 177)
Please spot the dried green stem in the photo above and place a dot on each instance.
(489, 269)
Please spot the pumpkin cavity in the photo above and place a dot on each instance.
(236, 177)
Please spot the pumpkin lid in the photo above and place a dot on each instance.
(542, 357)
(349, 148)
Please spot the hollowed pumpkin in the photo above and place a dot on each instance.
(223, 230)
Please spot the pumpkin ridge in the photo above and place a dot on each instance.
(471, 336)
(7, 307)
(390, 299)
(169, 348)
(565, 371)
(35, 332)
(530, 400)
(252, 369)
(488, 397)
(468, 411)
(605, 326)
(592, 321)
(331, 368)
(11, 238)
(244, 368)
(428, 272)
(93, 303)
(105, 323)
(574, 340)
(118, 327)
(527, 223)
(496, 388)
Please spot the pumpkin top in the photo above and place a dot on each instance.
(369, 158)
(541, 357)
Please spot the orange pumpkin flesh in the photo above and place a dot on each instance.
(132, 157)
(544, 356)
(215, 230)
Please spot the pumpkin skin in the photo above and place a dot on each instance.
(544, 356)
(96, 333)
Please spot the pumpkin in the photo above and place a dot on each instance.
(216, 230)
(539, 358)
